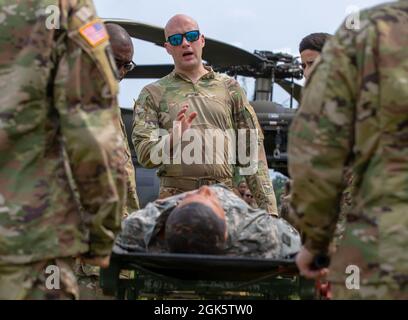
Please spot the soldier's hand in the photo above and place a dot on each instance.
(185, 120)
(102, 262)
(304, 260)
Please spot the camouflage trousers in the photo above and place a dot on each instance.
(88, 282)
(372, 257)
(384, 291)
(44, 280)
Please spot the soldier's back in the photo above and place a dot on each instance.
(32, 182)
(48, 106)
(377, 227)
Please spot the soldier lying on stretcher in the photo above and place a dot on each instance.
(210, 220)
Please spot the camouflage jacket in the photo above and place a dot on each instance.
(251, 232)
(222, 107)
(354, 112)
(132, 200)
(58, 95)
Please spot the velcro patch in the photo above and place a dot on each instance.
(94, 33)
(84, 14)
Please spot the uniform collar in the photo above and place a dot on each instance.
(209, 75)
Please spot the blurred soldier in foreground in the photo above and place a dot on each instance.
(58, 96)
(201, 101)
(355, 111)
(210, 220)
(122, 49)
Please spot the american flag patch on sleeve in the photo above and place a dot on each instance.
(94, 32)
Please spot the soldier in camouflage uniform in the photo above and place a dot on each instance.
(122, 49)
(245, 231)
(215, 101)
(310, 49)
(354, 111)
(58, 96)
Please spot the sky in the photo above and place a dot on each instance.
(249, 24)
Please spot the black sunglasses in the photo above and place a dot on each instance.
(129, 66)
(177, 39)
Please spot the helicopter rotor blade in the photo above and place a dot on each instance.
(154, 71)
(215, 53)
(287, 86)
(141, 31)
(218, 54)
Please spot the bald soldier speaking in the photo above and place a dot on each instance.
(202, 103)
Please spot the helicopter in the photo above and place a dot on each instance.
(266, 67)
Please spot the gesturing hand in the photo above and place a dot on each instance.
(185, 121)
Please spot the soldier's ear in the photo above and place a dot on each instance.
(203, 40)
(167, 46)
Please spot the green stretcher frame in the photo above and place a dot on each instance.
(173, 276)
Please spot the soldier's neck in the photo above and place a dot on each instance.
(194, 74)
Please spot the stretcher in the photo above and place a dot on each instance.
(185, 276)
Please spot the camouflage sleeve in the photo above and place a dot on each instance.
(132, 201)
(133, 236)
(320, 141)
(139, 231)
(257, 175)
(85, 94)
(145, 129)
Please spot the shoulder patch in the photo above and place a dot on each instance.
(94, 32)
(84, 14)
